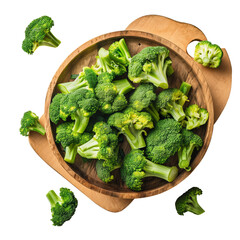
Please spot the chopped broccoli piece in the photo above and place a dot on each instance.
(195, 117)
(208, 54)
(190, 141)
(152, 65)
(86, 79)
(54, 108)
(164, 140)
(30, 122)
(187, 202)
(185, 88)
(136, 167)
(38, 34)
(131, 124)
(118, 52)
(63, 207)
(169, 102)
(143, 98)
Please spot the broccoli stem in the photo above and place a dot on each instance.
(164, 172)
(38, 128)
(153, 111)
(177, 112)
(89, 149)
(184, 156)
(53, 198)
(69, 87)
(185, 88)
(70, 153)
(50, 40)
(81, 122)
(124, 49)
(123, 86)
(193, 206)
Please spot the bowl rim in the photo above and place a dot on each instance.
(195, 69)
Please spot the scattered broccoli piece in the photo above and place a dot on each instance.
(118, 52)
(169, 102)
(102, 146)
(131, 124)
(80, 105)
(208, 54)
(143, 98)
(153, 65)
(54, 108)
(38, 34)
(136, 167)
(86, 79)
(190, 141)
(70, 140)
(63, 207)
(185, 88)
(105, 64)
(187, 202)
(108, 94)
(195, 117)
(164, 140)
(30, 122)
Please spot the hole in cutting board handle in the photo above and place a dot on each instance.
(191, 47)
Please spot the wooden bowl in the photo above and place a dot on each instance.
(185, 70)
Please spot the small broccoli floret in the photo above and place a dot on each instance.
(195, 117)
(80, 105)
(118, 52)
(86, 79)
(190, 141)
(70, 140)
(102, 146)
(169, 102)
(187, 202)
(30, 122)
(54, 108)
(63, 207)
(38, 34)
(208, 54)
(131, 124)
(105, 64)
(136, 167)
(152, 65)
(143, 99)
(164, 140)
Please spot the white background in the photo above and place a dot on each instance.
(25, 178)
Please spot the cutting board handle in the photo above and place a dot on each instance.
(181, 34)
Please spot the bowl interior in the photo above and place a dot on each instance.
(184, 70)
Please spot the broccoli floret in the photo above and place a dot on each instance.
(143, 98)
(70, 140)
(136, 167)
(102, 146)
(195, 117)
(38, 34)
(30, 122)
(118, 52)
(105, 64)
(86, 79)
(54, 108)
(105, 172)
(190, 141)
(152, 65)
(80, 105)
(131, 124)
(164, 140)
(208, 54)
(187, 202)
(63, 207)
(169, 102)
(110, 96)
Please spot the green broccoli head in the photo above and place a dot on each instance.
(195, 117)
(30, 122)
(164, 140)
(190, 142)
(187, 202)
(136, 166)
(208, 54)
(169, 102)
(38, 34)
(152, 65)
(86, 79)
(54, 108)
(118, 52)
(63, 207)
